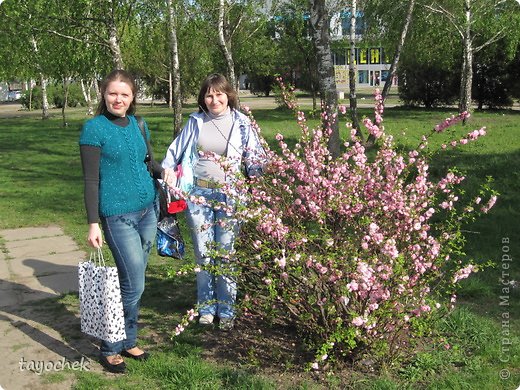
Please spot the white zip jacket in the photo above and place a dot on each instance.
(244, 148)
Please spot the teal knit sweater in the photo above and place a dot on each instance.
(125, 184)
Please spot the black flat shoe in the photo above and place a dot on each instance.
(142, 357)
(113, 368)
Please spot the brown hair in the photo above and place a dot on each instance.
(218, 83)
(117, 75)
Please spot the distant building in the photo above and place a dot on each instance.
(372, 63)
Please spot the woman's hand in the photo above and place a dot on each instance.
(95, 238)
(169, 176)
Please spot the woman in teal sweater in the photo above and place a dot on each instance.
(120, 194)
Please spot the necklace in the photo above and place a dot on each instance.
(220, 131)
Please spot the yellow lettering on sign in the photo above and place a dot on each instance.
(363, 56)
(375, 56)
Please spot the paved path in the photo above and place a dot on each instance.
(39, 336)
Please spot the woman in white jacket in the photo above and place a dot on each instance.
(217, 130)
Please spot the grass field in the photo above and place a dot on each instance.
(41, 184)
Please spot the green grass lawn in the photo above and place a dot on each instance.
(41, 184)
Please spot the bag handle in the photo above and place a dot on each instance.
(149, 157)
(97, 258)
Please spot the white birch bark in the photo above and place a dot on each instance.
(225, 45)
(43, 83)
(175, 71)
(87, 95)
(320, 26)
(352, 71)
(467, 61)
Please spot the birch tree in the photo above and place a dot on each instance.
(96, 22)
(43, 79)
(26, 46)
(225, 41)
(478, 24)
(320, 16)
(175, 97)
(352, 71)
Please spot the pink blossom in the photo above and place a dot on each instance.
(490, 204)
(463, 273)
(358, 321)
(281, 262)
(451, 121)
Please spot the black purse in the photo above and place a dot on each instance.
(168, 239)
(163, 197)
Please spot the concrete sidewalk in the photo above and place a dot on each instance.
(39, 334)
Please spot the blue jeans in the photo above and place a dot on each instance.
(216, 294)
(130, 238)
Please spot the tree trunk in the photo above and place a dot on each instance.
(225, 45)
(87, 96)
(320, 25)
(45, 101)
(113, 40)
(66, 84)
(352, 71)
(30, 94)
(467, 63)
(395, 61)
(175, 70)
(43, 82)
(170, 92)
(96, 88)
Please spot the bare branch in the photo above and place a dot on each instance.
(101, 43)
(491, 40)
(235, 29)
(448, 15)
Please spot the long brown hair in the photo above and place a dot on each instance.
(218, 83)
(117, 75)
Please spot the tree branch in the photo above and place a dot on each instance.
(77, 39)
(491, 40)
(448, 15)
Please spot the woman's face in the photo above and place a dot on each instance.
(216, 101)
(118, 97)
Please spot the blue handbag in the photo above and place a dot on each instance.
(169, 239)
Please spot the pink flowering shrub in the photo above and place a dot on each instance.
(356, 252)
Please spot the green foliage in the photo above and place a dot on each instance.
(74, 98)
(298, 60)
(262, 85)
(427, 85)
(55, 96)
(492, 78)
